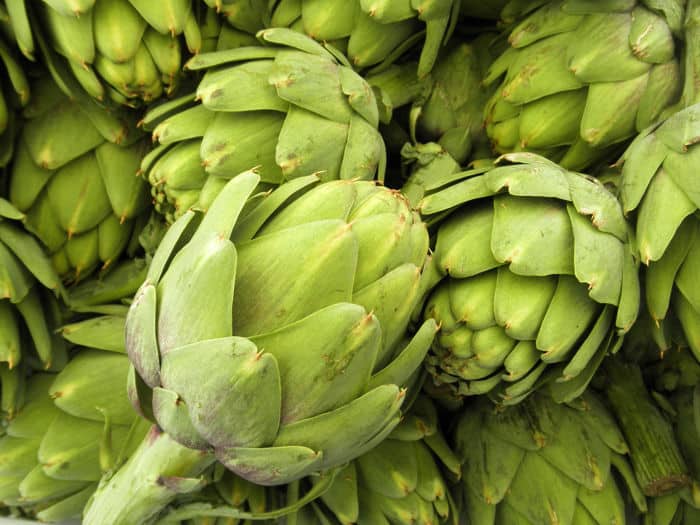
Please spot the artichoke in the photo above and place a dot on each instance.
(128, 51)
(520, 247)
(451, 115)
(542, 462)
(370, 32)
(249, 16)
(659, 185)
(14, 92)
(74, 178)
(319, 313)
(582, 77)
(263, 107)
(29, 311)
(74, 425)
(398, 482)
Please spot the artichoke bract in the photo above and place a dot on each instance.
(539, 277)
(542, 462)
(370, 32)
(301, 312)
(14, 93)
(127, 51)
(289, 109)
(74, 426)
(659, 188)
(74, 178)
(451, 115)
(398, 482)
(582, 77)
(29, 311)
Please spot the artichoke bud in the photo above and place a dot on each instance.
(657, 167)
(588, 59)
(500, 299)
(83, 178)
(354, 303)
(263, 108)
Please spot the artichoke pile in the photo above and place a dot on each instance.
(373, 262)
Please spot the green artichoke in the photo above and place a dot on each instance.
(249, 16)
(15, 89)
(660, 186)
(582, 77)
(542, 462)
(74, 426)
(128, 51)
(217, 35)
(451, 115)
(263, 107)
(319, 303)
(74, 178)
(519, 247)
(370, 32)
(29, 311)
(399, 482)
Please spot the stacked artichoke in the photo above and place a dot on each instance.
(74, 178)
(126, 51)
(402, 262)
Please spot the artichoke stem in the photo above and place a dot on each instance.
(154, 475)
(656, 459)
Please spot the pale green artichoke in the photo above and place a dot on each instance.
(369, 32)
(74, 425)
(29, 311)
(319, 303)
(126, 51)
(659, 188)
(263, 107)
(452, 114)
(542, 462)
(399, 482)
(519, 247)
(74, 179)
(580, 78)
(15, 88)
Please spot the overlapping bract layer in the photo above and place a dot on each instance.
(369, 32)
(581, 77)
(74, 178)
(542, 462)
(28, 308)
(452, 114)
(301, 318)
(399, 482)
(524, 246)
(290, 108)
(660, 184)
(73, 426)
(129, 51)
(14, 92)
